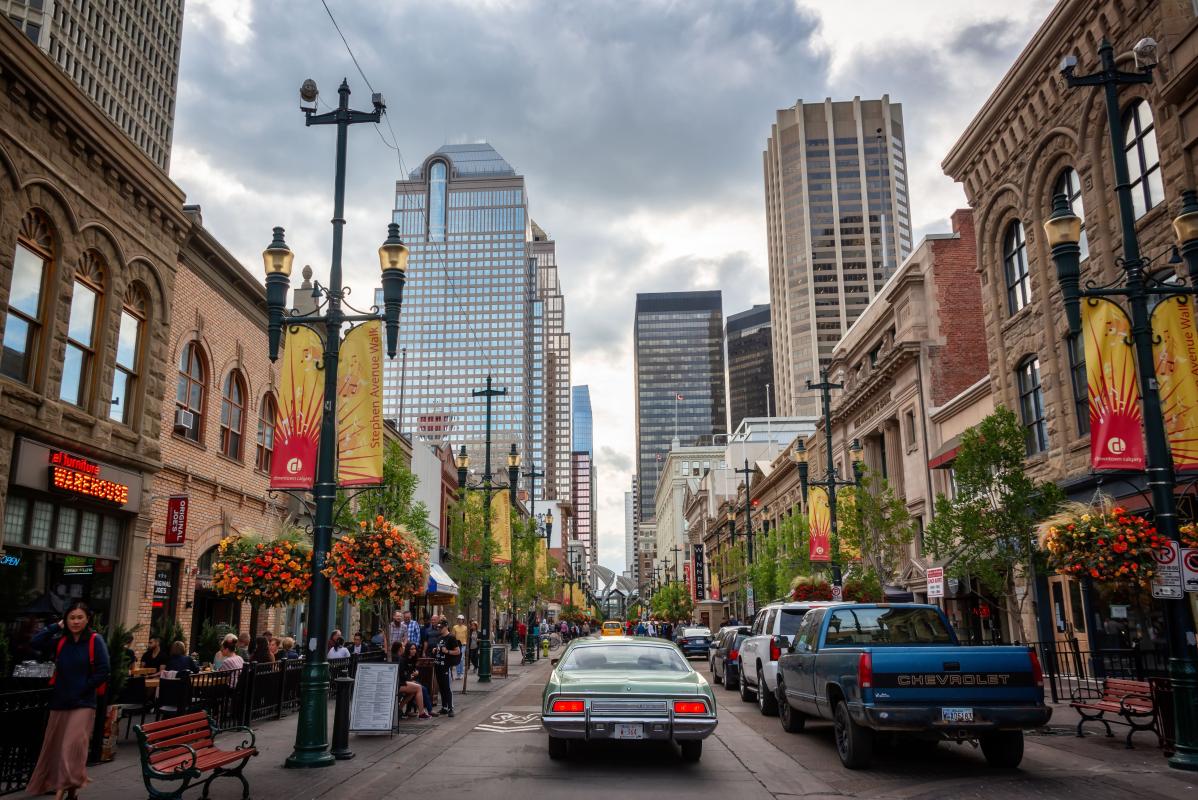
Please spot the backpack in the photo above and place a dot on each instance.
(102, 689)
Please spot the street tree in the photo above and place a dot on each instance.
(672, 603)
(989, 529)
(471, 549)
(876, 525)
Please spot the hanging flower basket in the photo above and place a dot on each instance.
(1189, 535)
(268, 572)
(854, 590)
(1105, 544)
(379, 561)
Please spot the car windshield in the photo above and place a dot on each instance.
(850, 627)
(740, 637)
(624, 658)
(791, 617)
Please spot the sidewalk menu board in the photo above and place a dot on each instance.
(499, 660)
(373, 706)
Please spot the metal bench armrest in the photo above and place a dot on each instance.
(1127, 710)
(180, 770)
(245, 743)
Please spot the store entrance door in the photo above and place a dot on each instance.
(214, 609)
(1068, 611)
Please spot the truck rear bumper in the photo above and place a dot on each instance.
(928, 719)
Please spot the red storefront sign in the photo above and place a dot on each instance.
(176, 520)
(79, 476)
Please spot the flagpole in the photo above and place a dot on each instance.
(676, 396)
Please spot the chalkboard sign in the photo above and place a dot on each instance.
(373, 707)
(499, 661)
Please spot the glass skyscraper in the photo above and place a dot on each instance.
(838, 223)
(582, 473)
(750, 365)
(482, 299)
(581, 423)
(678, 341)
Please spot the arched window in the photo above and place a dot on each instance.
(189, 395)
(1031, 406)
(436, 202)
(1081, 385)
(266, 434)
(1069, 185)
(128, 355)
(232, 415)
(1014, 256)
(24, 316)
(1143, 160)
(82, 330)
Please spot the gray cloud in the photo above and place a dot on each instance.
(614, 459)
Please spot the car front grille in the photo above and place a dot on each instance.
(629, 707)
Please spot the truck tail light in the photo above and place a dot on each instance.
(865, 671)
(689, 707)
(775, 648)
(733, 655)
(568, 706)
(1037, 670)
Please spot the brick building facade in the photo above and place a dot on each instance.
(1034, 138)
(89, 232)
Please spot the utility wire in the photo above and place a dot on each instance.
(347, 47)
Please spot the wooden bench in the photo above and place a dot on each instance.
(182, 749)
(1131, 700)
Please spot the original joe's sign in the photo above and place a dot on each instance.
(50, 469)
(176, 520)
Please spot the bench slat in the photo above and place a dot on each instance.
(186, 719)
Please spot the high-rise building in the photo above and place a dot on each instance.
(630, 531)
(581, 423)
(679, 351)
(838, 221)
(582, 473)
(124, 55)
(482, 299)
(750, 365)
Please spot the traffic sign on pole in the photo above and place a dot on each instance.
(1166, 584)
(1189, 569)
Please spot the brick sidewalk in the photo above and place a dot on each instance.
(121, 778)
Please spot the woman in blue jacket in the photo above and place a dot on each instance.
(80, 669)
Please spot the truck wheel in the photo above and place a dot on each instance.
(767, 704)
(692, 750)
(1003, 749)
(854, 744)
(793, 720)
(746, 694)
(558, 748)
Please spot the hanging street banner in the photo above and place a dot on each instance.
(1175, 353)
(1116, 438)
(176, 520)
(301, 400)
(501, 526)
(820, 538)
(360, 406)
(700, 573)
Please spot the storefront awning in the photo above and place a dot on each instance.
(945, 454)
(439, 582)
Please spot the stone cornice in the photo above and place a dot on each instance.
(878, 379)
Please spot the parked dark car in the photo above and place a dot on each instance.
(693, 640)
(725, 652)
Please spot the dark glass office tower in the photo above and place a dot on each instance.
(679, 351)
(750, 365)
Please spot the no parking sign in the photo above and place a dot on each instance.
(1189, 569)
(1167, 583)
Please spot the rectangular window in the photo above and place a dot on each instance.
(124, 379)
(22, 326)
(77, 361)
(1081, 385)
(1031, 407)
(909, 425)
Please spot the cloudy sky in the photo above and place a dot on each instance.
(638, 126)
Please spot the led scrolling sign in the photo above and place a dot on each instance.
(81, 477)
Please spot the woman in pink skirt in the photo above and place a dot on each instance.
(80, 668)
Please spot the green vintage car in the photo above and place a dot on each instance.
(626, 688)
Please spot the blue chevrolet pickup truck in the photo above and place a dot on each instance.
(897, 670)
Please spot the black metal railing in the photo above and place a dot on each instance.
(1072, 670)
(23, 717)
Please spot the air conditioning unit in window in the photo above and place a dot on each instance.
(184, 419)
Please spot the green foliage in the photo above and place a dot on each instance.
(168, 631)
(471, 548)
(988, 530)
(394, 500)
(876, 524)
(211, 636)
(673, 602)
(115, 635)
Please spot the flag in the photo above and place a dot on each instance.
(820, 521)
(1175, 350)
(301, 403)
(678, 397)
(360, 406)
(1116, 422)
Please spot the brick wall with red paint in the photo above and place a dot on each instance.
(962, 360)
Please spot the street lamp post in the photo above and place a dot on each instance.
(831, 480)
(487, 486)
(1063, 231)
(750, 605)
(311, 732)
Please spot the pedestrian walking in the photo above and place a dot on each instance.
(474, 647)
(432, 636)
(80, 674)
(521, 633)
(462, 634)
(447, 656)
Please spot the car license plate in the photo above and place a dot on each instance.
(956, 715)
(630, 731)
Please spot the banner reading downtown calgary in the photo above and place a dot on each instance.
(301, 398)
(1116, 441)
(360, 406)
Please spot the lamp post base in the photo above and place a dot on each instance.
(484, 660)
(1183, 675)
(312, 728)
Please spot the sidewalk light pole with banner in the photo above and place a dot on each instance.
(307, 433)
(1138, 288)
(829, 483)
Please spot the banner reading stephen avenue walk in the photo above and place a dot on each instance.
(1176, 354)
(360, 406)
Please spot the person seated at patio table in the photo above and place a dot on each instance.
(154, 657)
(180, 662)
(229, 660)
(220, 655)
(288, 648)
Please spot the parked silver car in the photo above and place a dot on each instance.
(773, 628)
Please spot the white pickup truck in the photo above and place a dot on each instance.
(773, 629)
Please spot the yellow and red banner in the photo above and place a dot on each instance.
(820, 520)
(501, 527)
(301, 400)
(360, 406)
(1175, 351)
(1116, 439)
